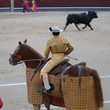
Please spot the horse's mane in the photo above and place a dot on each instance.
(33, 52)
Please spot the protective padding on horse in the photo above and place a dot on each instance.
(32, 86)
(79, 98)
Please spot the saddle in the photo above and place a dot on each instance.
(60, 68)
(57, 69)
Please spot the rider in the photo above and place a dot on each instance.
(59, 47)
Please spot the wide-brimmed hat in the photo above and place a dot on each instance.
(54, 29)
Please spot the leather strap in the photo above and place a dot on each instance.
(80, 74)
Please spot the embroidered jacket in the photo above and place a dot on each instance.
(58, 45)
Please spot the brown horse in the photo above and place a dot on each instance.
(31, 59)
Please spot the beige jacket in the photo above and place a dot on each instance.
(58, 45)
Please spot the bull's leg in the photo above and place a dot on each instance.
(36, 107)
(84, 26)
(66, 25)
(77, 26)
(90, 27)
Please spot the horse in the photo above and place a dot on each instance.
(31, 58)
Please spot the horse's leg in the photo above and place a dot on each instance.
(47, 105)
(36, 107)
(46, 101)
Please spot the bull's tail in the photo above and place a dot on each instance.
(98, 88)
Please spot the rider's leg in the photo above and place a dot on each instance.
(56, 59)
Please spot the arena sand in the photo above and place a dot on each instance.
(93, 47)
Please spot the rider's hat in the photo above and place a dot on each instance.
(54, 29)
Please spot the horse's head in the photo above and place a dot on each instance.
(16, 57)
(25, 53)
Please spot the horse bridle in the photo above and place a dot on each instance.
(19, 55)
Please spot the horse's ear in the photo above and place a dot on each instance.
(20, 43)
(25, 41)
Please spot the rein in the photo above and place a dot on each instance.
(30, 60)
(33, 60)
(37, 66)
(18, 54)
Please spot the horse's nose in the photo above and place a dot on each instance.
(10, 60)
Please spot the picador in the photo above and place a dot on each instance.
(59, 47)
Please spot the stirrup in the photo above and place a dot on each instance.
(44, 91)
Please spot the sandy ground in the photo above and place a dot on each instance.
(90, 46)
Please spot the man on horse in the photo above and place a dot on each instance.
(59, 47)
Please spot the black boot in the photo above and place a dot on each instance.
(49, 90)
(44, 91)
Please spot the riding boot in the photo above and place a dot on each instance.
(46, 83)
(42, 89)
(46, 87)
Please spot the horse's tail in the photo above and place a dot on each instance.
(98, 88)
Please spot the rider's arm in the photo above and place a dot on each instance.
(70, 49)
(47, 51)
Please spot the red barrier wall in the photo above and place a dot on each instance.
(73, 3)
(60, 3)
(4, 3)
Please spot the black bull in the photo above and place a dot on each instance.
(83, 18)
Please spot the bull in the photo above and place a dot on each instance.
(82, 18)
